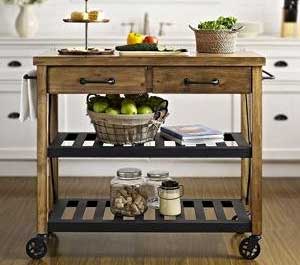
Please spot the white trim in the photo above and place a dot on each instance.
(44, 41)
(17, 153)
(188, 168)
(206, 2)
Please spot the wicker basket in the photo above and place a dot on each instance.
(216, 41)
(127, 129)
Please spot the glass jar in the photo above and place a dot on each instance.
(154, 180)
(128, 195)
(170, 193)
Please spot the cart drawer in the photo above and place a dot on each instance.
(112, 80)
(202, 80)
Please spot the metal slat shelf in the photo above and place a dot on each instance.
(86, 145)
(96, 222)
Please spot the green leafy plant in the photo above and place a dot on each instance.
(222, 23)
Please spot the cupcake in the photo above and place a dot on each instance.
(95, 15)
(79, 16)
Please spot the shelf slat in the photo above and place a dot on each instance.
(233, 146)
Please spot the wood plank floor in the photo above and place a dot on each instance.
(280, 246)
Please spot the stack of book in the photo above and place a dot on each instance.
(192, 134)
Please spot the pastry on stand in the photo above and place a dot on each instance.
(86, 17)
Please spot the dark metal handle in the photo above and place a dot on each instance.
(14, 64)
(13, 115)
(109, 81)
(281, 64)
(214, 82)
(281, 117)
(26, 77)
(269, 76)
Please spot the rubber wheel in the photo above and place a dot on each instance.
(36, 248)
(234, 218)
(249, 248)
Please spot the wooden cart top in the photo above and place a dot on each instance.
(236, 59)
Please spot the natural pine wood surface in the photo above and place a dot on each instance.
(280, 246)
(201, 59)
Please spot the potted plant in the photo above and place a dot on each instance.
(26, 22)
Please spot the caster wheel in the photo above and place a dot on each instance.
(234, 218)
(36, 248)
(249, 248)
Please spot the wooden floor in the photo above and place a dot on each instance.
(280, 246)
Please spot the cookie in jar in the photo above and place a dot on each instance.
(128, 196)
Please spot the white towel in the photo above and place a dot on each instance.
(28, 100)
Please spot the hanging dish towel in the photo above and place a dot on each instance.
(28, 100)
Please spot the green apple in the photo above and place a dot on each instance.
(144, 109)
(100, 106)
(112, 111)
(128, 107)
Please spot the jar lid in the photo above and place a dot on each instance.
(157, 174)
(170, 185)
(129, 173)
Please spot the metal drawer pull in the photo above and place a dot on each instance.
(269, 76)
(214, 82)
(13, 115)
(281, 117)
(281, 64)
(27, 77)
(14, 64)
(109, 81)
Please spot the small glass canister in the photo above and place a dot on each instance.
(154, 181)
(128, 196)
(170, 193)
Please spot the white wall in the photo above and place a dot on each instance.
(180, 12)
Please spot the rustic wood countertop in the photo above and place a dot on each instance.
(236, 59)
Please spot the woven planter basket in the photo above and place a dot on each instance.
(127, 129)
(216, 41)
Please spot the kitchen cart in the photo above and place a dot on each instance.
(239, 73)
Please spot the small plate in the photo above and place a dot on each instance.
(90, 51)
(68, 20)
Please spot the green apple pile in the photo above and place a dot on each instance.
(128, 105)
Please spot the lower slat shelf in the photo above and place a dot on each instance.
(85, 145)
(82, 215)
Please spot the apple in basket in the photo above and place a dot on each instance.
(112, 111)
(100, 105)
(144, 110)
(128, 107)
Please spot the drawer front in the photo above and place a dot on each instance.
(13, 63)
(281, 121)
(13, 68)
(202, 80)
(112, 80)
(16, 139)
(285, 69)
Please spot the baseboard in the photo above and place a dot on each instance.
(176, 167)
